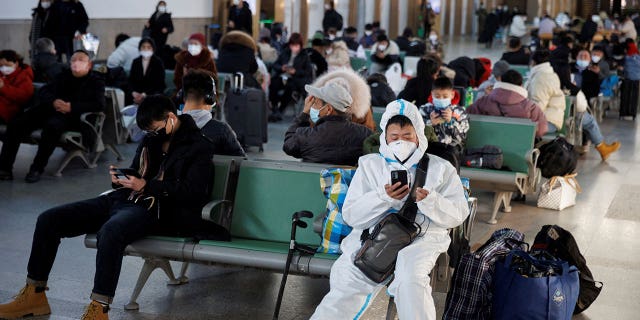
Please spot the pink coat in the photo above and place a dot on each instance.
(509, 100)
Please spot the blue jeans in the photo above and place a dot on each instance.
(589, 126)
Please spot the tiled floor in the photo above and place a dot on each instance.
(611, 246)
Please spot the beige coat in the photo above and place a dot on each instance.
(339, 57)
(543, 87)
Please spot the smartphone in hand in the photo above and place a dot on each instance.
(399, 176)
(122, 173)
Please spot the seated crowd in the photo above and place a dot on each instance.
(172, 164)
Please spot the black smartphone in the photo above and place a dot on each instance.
(399, 176)
(122, 173)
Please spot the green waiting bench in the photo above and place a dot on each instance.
(515, 136)
(255, 201)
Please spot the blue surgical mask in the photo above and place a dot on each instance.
(582, 64)
(315, 114)
(441, 104)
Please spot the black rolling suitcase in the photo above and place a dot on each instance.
(245, 110)
(629, 98)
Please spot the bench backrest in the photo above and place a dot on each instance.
(377, 116)
(170, 87)
(515, 136)
(522, 69)
(268, 194)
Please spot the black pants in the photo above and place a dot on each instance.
(117, 223)
(280, 93)
(53, 125)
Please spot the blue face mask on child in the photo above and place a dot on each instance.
(441, 104)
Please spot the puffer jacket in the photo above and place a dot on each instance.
(237, 53)
(509, 100)
(339, 57)
(544, 90)
(333, 140)
(360, 109)
(16, 92)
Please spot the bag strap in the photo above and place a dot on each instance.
(410, 207)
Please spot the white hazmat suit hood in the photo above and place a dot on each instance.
(367, 202)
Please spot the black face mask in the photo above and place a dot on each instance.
(160, 134)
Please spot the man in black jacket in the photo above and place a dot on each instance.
(164, 192)
(73, 93)
(240, 17)
(332, 19)
(199, 93)
(323, 132)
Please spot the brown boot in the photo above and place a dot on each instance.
(607, 149)
(29, 302)
(96, 311)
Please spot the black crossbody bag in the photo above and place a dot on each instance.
(377, 256)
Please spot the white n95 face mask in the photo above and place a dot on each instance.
(194, 49)
(403, 149)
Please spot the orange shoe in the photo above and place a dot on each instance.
(29, 302)
(96, 311)
(607, 149)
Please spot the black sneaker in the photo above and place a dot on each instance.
(33, 176)
(6, 175)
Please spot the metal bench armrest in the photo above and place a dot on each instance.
(96, 126)
(221, 216)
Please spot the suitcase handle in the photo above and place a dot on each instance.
(238, 82)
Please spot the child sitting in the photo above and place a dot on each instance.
(449, 121)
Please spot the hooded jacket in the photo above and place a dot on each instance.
(544, 90)
(361, 107)
(237, 53)
(339, 57)
(16, 92)
(509, 100)
(367, 202)
(518, 28)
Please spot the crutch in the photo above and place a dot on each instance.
(293, 247)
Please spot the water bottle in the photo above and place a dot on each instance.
(468, 97)
(476, 163)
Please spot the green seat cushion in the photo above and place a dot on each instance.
(326, 256)
(249, 244)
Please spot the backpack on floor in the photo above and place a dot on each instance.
(557, 158)
(561, 244)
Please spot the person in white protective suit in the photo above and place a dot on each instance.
(441, 205)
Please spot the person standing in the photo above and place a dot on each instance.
(240, 17)
(482, 17)
(40, 17)
(67, 20)
(332, 19)
(160, 25)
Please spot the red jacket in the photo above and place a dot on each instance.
(16, 92)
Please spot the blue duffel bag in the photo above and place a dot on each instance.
(534, 287)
